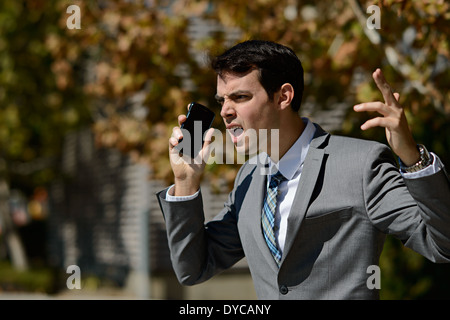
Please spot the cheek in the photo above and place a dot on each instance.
(257, 114)
(262, 118)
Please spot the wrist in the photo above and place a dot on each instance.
(185, 187)
(409, 156)
(423, 160)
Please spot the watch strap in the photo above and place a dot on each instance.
(424, 161)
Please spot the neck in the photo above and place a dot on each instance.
(290, 129)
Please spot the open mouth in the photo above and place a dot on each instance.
(236, 133)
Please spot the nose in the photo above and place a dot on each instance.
(227, 110)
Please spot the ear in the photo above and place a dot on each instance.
(286, 95)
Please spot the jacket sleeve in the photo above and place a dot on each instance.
(198, 251)
(416, 211)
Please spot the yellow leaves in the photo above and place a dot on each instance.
(11, 137)
(132, 45)
(123, 132)
(145, 143)
(112, 80)
(62, 71)
(10, 116)
(190, 8)
(70, 116)
(435, 8)
(53, 100)
(53, 43)
(111, 19)
(176, 97)
(346, 53)
(133, 131)
(366, 92)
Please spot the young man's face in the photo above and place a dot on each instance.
(245, 105)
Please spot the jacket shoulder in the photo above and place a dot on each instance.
(359, 151)
(350, 143)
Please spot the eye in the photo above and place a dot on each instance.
(241, 97)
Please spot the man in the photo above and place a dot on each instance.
(313, 232)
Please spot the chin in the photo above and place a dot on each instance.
(241, 150)
(244, 149)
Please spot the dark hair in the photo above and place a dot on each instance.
(276, 63)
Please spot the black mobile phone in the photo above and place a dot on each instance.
(199, 120)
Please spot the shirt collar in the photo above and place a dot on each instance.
(291, 162)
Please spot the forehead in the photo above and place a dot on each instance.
(229, 82)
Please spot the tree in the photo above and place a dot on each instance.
(39, 103)
(39, 98)
(135, 65)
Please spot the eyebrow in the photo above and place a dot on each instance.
(233, 94)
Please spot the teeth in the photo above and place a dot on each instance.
(237, 131)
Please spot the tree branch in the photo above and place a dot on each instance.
(398, 61)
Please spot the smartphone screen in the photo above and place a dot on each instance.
(199, 120)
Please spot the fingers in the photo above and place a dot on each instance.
(376, 106)
(384, 87)
(396, 96)
(391, 116)
(393, 119)
(177, 135)
(173, 142)
(377, 122)
(181, 118)
(208, 137)
(205, 152)
(390, 109)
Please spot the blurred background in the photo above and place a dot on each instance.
(85, 116)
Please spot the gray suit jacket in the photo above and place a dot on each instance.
(350, 196)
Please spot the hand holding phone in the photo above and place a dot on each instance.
(185, 149)
(199, 120)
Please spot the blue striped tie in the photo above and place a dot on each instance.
(268, 215)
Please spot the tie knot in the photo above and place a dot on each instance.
(276, 179)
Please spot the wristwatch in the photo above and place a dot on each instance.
(424, 161)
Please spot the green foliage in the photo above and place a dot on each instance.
(39, 99)
(34, 280)
(407, 275)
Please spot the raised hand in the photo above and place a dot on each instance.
(393, 119)
(187, 171)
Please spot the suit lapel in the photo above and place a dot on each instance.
(308, 179)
